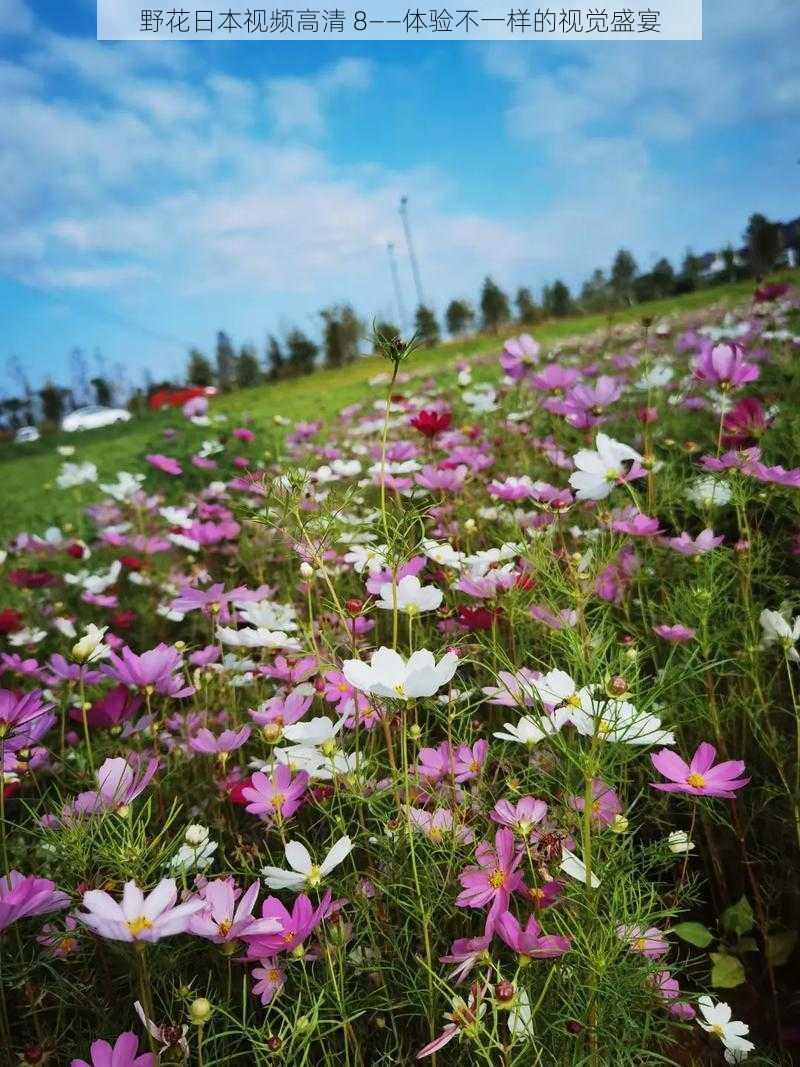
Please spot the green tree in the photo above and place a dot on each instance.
(199, 370)
(689, 277)
(729, 259)
(226, 362)
(52, 397)
(764, 244)
(528, 313)
(274, 360)
(623, 272)
(301, 353)
(248, 372)
(495, 311)
(103, 392)
(342, 331)
(458, 317)
(595, 295)
(426, 328)
(663, 277)
(557, 300)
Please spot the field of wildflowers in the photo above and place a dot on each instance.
(464, 728)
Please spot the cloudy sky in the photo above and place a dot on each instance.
(156, 192)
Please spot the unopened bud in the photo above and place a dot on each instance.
(200, 1011)
(504, 991)
(619, 824)
(353, 606)
(306, 570)
(617, 686)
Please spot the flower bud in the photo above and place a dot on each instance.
(504, 991)
(353, 606)
(619, 824)
(617, 686)
(200, 1011)
(195, 835)
(306, 570)
(414, 732)
(470, 526)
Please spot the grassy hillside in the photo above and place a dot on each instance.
(28, 470)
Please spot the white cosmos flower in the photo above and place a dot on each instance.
(73, 474)
(520, 1016)
(411, 595)
(126, 486)
(388, 675)
(616, 720)
(268, 616)
(444, 554)
(777, 628)
(316, 732)
(576, 868)
(95, 583)
(304, 871)
(599, 471)
(709, 492)
(90, 648)
(259, 637)
(315, 763)
(176, 516)
(530, 730)
(717, 1020)
(65, 626)
(26, 637)
(480, 562)
(371, 558)
(555, 687)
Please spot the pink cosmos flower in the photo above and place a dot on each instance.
(669, 990)
(292, 672)
(282, 710)
(527, 940)
(270, 978)
(746, 421)
(605, 803)
(561, 620)
(585, 405)
(649, 942)
(22, 895)
(516, 689)
(676, 632)
(295, 926)
(520, 817)
(704, 542)
(228, 741)
(511, 489)
(221, 920)
(138, 917)
(494, 879)
(278, 795)
(635, 524)
(469, 762)
(467, 953)
(435, 824)
(59, 941)
(111, 710)
(151, 672)
(211, 601)
(700, 777)
(724, 365)
(555, 379)
(118, 785)
(519, 356)
(241, 433)
(123, 1054)
(462, 1017)
(164, 463)
(448, 480)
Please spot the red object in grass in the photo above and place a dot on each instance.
(431, 422)
(176, 398)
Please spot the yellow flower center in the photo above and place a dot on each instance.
(278, 800)
(343, 687)
(273, 975)
(399, 688)
(573, 701)
(604, 727)
(497, 879)
(314, 876)
(435, 834)
(696, 780)
(639, 944)
(138, 926)
(225, 926)
(718, 1030)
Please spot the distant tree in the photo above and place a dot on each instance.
(595, 295)
(689, 277)
(301, 353)
(528, 313)
(342, 331)
(248, 371)
(103, 391)
(623, 271)
(764, 244)
(458, 317)
(557, 300)
(52, 397)
(199, 370)
(729, 259)
(495, 311)
(426, 328)
(663, 277)
(226, 362)
(384, 333)
(274, 359)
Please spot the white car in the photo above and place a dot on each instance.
(92, 417)
(25, 435)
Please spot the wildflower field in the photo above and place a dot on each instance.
(462, 726)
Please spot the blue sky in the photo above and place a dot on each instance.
(155, 192)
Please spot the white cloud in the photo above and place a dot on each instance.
(299, 105)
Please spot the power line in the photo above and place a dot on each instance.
(411, 255)
(397, 291)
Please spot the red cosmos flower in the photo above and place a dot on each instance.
(123, 620)
(746, 421)
(27, 579)
(76, 549)
(769, 292)
(133, 563)
(236, 791)
(431, 422)
(475, 618)
(10, 621)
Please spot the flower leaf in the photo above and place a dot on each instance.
(694, 934)
(727, 972)
(738, 918)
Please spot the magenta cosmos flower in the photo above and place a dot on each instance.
(278, 795)
(138, 917)
(700, 777)
(269, 980)
(494, 879)
(295, 926)
(520, 817)
(675, 633)
(605, 804)
(23, 719)
(22, 895)
(152, 672)
(527, 940)
(164, 463)
(123, 1054)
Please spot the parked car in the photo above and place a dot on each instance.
(91, 417)
(25, 435)
(176, 398)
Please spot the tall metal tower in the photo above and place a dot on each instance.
(411, 255)
(398, 294)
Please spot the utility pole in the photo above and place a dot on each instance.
(397, 291)
(411, 256)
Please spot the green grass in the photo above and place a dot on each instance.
(27, 471)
